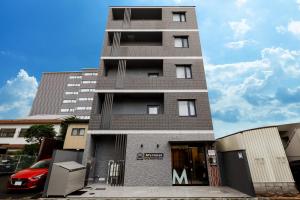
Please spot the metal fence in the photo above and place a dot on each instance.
(13, 163)
(110, 172)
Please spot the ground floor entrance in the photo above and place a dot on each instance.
(189, 166)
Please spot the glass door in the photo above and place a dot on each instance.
(189, 165)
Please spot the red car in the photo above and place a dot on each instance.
(33, 177)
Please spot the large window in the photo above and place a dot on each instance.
(186, 108)
(183, 71)
(181, 41)
(78, 131)
(179, 17)
(69, 101)
(22, 132)
(153, 109)
(87, 90)
(7, 132)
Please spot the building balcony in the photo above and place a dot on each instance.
(151, 44)
(149, 74)
(150, 18)
(149, 111)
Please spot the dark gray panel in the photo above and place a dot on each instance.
(235, 171)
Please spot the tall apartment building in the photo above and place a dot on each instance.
(151, 123)
(66, 93)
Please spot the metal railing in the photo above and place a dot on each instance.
(13, 163)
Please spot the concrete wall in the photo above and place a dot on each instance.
(75, 142)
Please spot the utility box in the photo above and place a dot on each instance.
(65, 178)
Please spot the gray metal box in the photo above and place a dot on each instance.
(65, 178)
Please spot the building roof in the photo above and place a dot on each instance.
(37, 119)
(83, 70)
(279, 126)
(151, 6)
(47, 117)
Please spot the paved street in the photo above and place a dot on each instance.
(160, 192)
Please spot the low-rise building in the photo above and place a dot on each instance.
(76, 135)
(12, 131)
(261, 157)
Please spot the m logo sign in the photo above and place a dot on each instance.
(179, 180)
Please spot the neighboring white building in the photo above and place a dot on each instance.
(11, 131)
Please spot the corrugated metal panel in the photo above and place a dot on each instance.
(266, 156)
(231, 143)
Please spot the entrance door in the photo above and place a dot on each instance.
(189, 165)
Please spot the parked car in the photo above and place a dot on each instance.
(33, 177)
(7, 165)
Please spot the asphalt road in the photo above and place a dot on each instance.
(18, 194)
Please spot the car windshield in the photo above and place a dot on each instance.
(41, 164)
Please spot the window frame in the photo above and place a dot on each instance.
(182, 38)
(185, 66)
(181, 14)
(22, 131)
(78, 131)
(152, 106)
(189, 103)
(9, 134)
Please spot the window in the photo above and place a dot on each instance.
(186, 108)
(7, 132)
(88, 82)
(183, 71)
(153, 109)
(65, 110)
(153, 75)
(22, 132)
(84, 108)
(83, 117)
(73, 85)
(85, 99)
(181, 41)
(69, 93)
(75, 77)
(90, 74)
(69, 101)
(179, 17)
(78, 131)
(88, 90)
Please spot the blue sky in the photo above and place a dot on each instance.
(251, 52)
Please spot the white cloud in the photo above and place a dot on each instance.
(240, 28)
(255, 93)
(240, 3)
(294, 28)
(239, 44)
(298, 2)
(280, 29)
(17, 95)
